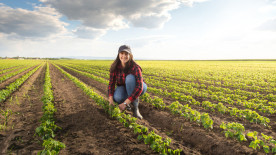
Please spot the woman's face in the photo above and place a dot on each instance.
(124, 57)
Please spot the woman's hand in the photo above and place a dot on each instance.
(122, 106)
(110, 99)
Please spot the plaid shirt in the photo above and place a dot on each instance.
(118, 77)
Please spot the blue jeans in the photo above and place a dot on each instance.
(123, 92)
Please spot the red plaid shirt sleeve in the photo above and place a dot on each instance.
(111, 86)
(136, 71)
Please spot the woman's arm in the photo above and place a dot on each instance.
(110, 99)
(139, 84)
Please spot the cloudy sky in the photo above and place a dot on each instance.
(155, 29)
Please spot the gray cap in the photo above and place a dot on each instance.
(125, 48)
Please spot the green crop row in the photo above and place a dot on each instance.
(210, 89)
(96, 71)
(269, 88)
(155, 141)
(236, 130)
(263, 142)
(7, 64)
(233, 98)
(250, 115)
(183, 110)
(48, 127)
(9, 69)
(4, 93)
(5, 77)
(99, 79)
(229, 74)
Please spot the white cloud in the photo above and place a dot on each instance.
(118, 14)
(269, 25)
(21, 23)
(267, 8)
(151, 21)
(252, 46)
(57, 47)
(191, 2)
(146, 40)
(89, 33)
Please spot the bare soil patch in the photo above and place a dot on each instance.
(26, 105)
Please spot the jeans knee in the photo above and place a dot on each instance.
(130, 79)
(118, 99)
(145, 87)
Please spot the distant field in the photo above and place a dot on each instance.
(191, 107)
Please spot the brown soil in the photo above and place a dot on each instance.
(26, 105)
(12, 79)
(188, 135)
(86, 128)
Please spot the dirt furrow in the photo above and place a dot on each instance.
(26, 107)
(86, 128)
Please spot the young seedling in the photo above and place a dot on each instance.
(257, 143)
(51, 146)
(10, 99)
(235, 130)
(17, 101)
(6, 114)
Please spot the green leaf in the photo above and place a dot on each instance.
(266, 148)
(250, 134)
(253, 145)
(261, 143)
(273, 141)
(140, 137)
(144, 129)
(274, 150)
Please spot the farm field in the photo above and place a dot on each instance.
(190, 107)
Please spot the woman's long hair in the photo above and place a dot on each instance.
(129, 64)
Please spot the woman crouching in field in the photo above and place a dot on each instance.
(127, 75)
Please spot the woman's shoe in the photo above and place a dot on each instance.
(136, 112)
